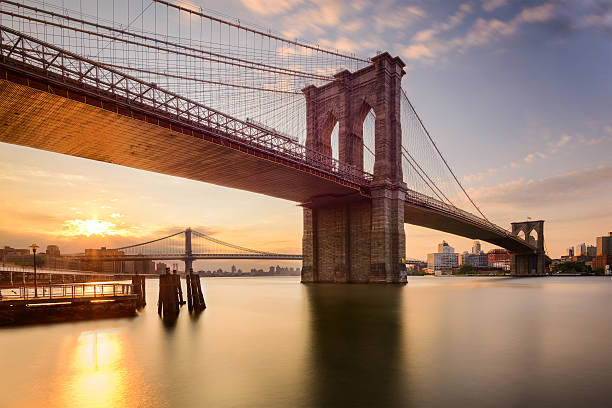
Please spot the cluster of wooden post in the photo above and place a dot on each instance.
(140, 289)
(170, 295)
(195, 298)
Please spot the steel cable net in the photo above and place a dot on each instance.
(171, 245)
(240, 70)
(202, 244)
(175, 244)
(428, 175)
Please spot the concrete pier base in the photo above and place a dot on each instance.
(360, 241)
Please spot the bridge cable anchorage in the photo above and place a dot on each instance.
(441, 156)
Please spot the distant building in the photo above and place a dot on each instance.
(479, 260)
(233, 269)
(8, 254)
(53, 250)
(476, 248)
(444, 248)
(444, 259)
(591, 251)
(499, 258)
(603, 258)
(570, 251)
(94, 261)
(604, 245)
(581, 250)
(53, 257)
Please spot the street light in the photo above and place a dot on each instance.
(34, 247)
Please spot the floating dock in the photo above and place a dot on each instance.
(25, 304)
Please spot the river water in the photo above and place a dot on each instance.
(273, 342)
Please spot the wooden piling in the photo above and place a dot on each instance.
(168, 304)
(189, 293)
(140, 289)
(177, 280)
(197, 297)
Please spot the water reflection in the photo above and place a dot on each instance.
(96, 364)
(356, 340)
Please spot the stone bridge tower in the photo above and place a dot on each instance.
(531, 263)
(358, 238)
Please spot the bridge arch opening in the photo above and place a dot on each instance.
(330, 137)
(532, 237)
(367, 119)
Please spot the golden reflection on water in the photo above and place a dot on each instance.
(98, 377)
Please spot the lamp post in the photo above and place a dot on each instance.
(34, 247)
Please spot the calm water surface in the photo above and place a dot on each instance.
(273, 342)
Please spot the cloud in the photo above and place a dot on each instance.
(270, 6)
(397, 18)
(312, 19)
(482, 32)
(537, 14)
(563, 141)
(417, 51)
(491, 5)
(565, 188)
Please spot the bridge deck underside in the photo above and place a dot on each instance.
(38, 119)
(425, 217)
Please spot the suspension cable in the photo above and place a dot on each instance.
(269, 35)
(442, 157)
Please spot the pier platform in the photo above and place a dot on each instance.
(25, 304)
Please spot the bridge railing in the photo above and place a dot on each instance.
(68, 69)
(68, 291)
(417, 198)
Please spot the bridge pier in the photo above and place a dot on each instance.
(358, 238)
(359, 241)
(529, 263)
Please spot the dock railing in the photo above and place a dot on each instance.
(66, 291)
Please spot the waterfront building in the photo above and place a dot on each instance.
(603, 252)
(476, 248)
(480, 260)
(444, 259)
(8, 254)
(499, 258)
(604, 245)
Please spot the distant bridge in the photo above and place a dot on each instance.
(187, 246)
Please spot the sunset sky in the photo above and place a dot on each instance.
(517, 94)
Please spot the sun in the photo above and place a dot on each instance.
(89, 227)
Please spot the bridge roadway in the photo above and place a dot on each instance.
(181, 257)
(45, 111)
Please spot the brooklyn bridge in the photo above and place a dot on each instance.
(176, 90)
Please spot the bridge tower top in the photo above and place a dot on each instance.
(347, 100)
(527, 227)
(188, 249)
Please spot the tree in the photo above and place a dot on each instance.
(465, 269)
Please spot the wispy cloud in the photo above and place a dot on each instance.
(490, 5)
(270, 6)
(559, 189)
(482, 32)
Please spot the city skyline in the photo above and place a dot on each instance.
(482, 84)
